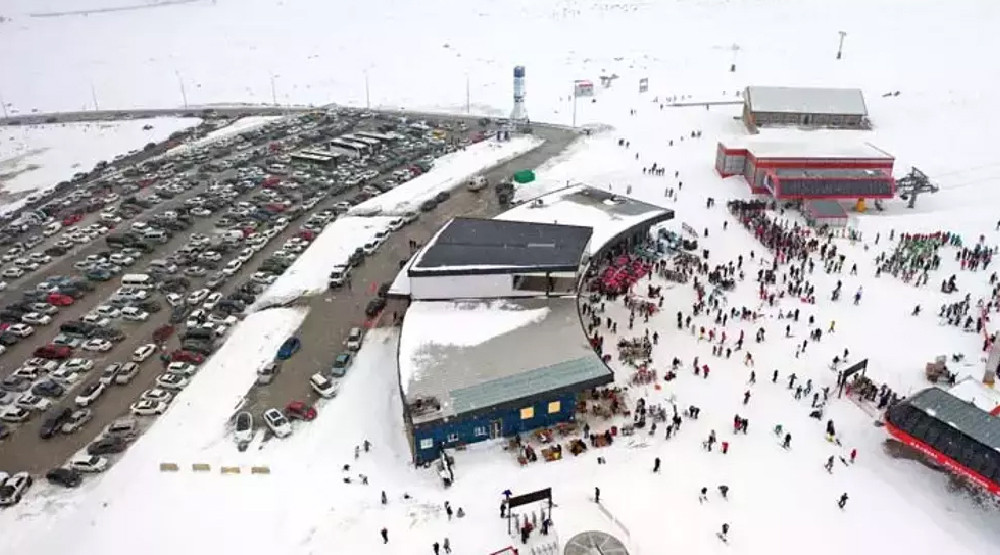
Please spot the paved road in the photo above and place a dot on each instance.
(332, 315)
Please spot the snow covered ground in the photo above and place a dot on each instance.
(238, 126)
(449, 172)
(780, 501)
(36, 157)
(310, 273)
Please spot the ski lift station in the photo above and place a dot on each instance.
(492, 343)
(809, 170)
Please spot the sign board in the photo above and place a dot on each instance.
(644, 84)
(583, 88)
(532, 497)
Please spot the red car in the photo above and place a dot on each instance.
(58, 299)
(298, 410)
(181, 355)
(53, 352)
(306, 235)
(71, 219)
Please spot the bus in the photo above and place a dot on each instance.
(951, 433)
(357, 148)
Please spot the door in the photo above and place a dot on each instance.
(496, 429)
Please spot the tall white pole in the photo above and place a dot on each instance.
(180, 82)
(368, 100)
(3, 106)
(468, 96)
(574, 104)
(840, 47)
(93, 95)
(274, 94)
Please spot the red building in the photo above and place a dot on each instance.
(810, 171)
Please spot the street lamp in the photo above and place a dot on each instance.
(274, 94)
(840, 48)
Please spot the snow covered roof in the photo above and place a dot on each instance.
(976, 392)
(828, 173)
(607, 214)
(468, 356)
(474, 245)
(811, 148)
(971, 420)
(806, 100)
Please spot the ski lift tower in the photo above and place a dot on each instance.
(911, 185)
(519, 115)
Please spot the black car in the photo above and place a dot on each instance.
(107, 446)
(442, 196)
(178, 314)
(150, 306)
(54, 422)
(111, 334)
(428, 205)
(374, 307)
(357, 257)
(48, 388)
(65, 477)
(8, 339)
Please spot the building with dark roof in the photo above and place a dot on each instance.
(472, 258)
(804, 107)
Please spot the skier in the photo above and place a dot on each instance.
(385, 500)
(724, 491)
(656, 465)
(357, 451)
(437, 548)
(842, 501)
(725, 447)
(368, 445)
(787, 444)
(854, 453)
(446, 545)
(597, 495)
(725, 532)
(703, 495)
(746, 397)
(829, 465)
(385, 535)
(774, 377)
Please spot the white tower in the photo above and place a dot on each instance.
(520, 113)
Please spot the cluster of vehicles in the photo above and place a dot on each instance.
(228, 208)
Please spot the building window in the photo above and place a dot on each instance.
(427, 443)
(452, 438)
(554, 407)
(527, 412)
(480, 431)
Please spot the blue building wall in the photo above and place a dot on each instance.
(429, 439)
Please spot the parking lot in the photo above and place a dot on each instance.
(219, 193)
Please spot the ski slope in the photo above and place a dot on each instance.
(780, 501)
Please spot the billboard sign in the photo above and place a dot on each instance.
(643, 84)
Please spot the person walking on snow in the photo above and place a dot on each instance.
(854, 453)
(437, 548)
(703, 495)
(385, 535)
(842, 501)
(746, 397)
(446, 545)
(724, 491)
(597, 495)
(656, 465)
(787, 443)
(829, 465)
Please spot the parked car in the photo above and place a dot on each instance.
(147, 407)
(48, 388)
(107, 446)
(13, 489)
(98, 345)
(354, 339)
(53, 352)
(54, 422)
(90, 394)
(65, 477)
(266, 374)
(289, 348)
(76, 420)
(277, 423)
(143, 352)
(323, 386)
(173, 382)
(125, 374)
(341, 364)
(244, 429)
(88, 463)
(299, 410)
(157, 395)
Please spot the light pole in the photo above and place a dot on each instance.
(840, 47)
(180, 82)
(93, 95)
(3, 106)
(574, 104)
(468, 96)
(274, 93)
(368, 99)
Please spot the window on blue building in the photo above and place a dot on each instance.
(479, 431)
(426, 443)
(452, 438)
(554, 407)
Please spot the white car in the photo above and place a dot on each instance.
(211, 256)
(172, 382)
(40, 258)
(244, 428)
(245, 255)
(183, 368)
(107, 311)
(12, 272)
(232, 267)
(144, 352)
(133, 314)
(211, 301)
(278, 424)
(96, 319)
(157, 396)
(264, 278)
(21, 330)
(354, 339)
(110, 373)
(323, 386)
(196, 318)
(87, 463)
(128, 371)
(77, 420)
(121, 259)
(196, 297)
(98, 345)
(147, 408)
(14, 415)
(173, 299)
(90, 393)
(77, 364)
(65, 377)
(36, 319)
(28, 401)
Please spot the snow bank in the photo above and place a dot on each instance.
(194, 429)
(241, 125)
(310, 273)
(448, 172)
(36, 157)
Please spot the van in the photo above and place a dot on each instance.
(138, 281)
(278, 169)
(231, 236)
(156, 235)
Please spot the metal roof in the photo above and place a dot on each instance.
(497, 245)
(963, 415)
(828, 173)
(806, 100)
(543, 352)
(825, 209)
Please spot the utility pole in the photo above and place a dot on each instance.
(93, 95)
(368, 100)
(468, 96)
(184, 95)
(274, 94)
(840, 48)
(574, 104)
(3, 105)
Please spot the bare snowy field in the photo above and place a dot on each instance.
(780, 501)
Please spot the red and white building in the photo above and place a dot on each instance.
(809, 171)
